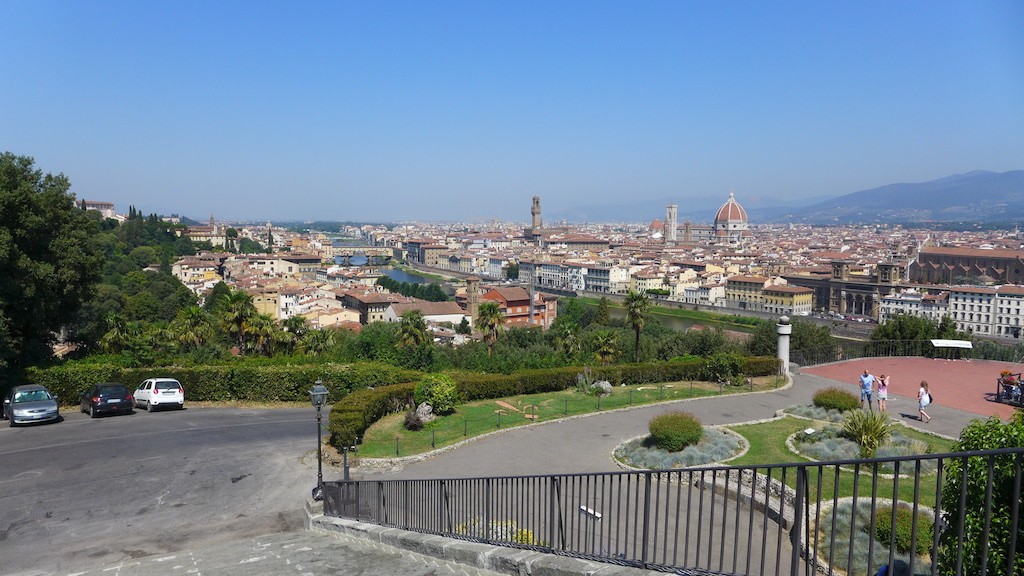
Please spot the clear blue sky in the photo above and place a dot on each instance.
(464, 110)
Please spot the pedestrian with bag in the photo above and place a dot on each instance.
(924, 398)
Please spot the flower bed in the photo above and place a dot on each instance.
(873, 538)
(829, 444)
(717, 445)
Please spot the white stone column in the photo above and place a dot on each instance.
(784, 329)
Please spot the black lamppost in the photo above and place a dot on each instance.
(318, 395)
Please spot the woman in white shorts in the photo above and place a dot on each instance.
(883, 392)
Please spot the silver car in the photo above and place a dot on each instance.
(31, 403)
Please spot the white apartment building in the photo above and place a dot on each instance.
(914, 303)
(983, 310)
(972, 308)
(1008, 310)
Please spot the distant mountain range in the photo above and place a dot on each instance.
(977, 196)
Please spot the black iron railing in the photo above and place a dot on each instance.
(941, 514)
(851, 349)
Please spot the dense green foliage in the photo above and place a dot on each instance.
(907, 327)
(675, 431)
(904, 529)
(868, 429)
(237, 381)
(970, 517)
(49, 260)
(806, 336)
(439, 391)
(431, 292)
(835, 399)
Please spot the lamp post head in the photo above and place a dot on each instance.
(318, 394)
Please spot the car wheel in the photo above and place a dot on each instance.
(92, 411)
(149, 406)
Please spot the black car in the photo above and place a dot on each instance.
(107, 398)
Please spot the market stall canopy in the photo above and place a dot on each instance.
(952, 343)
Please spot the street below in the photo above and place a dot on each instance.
(85, 492)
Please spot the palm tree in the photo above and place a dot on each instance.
(236, 309)
(413, 331)
(316, 342)
(489, 320)
(606, 346)
(293, 329)
(636, 304)
(259, 331)
(191, 328)
(568, 340)
(118, 335)
(295, 325)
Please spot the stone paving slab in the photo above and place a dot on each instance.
(302, 553)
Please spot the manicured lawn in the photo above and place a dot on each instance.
(768, 446)
(388, 437)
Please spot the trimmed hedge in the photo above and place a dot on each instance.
(227, 382)
(351, 416)
(355, 413)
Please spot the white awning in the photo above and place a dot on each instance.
(952, 344)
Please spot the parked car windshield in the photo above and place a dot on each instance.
(113, 390)
(167, 385)
(31, 396)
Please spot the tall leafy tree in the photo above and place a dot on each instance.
(49, 262)
(908, 327)
(489, 320)
(806, 335)
(637, 304)
(602, 316)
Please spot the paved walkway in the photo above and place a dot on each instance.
(968, 385)
(300, 553)
(585, 444)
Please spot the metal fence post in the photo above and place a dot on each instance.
(798, 510)
(555, 534)
(647, 518)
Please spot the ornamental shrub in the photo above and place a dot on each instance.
(970, 518)
(835, 399)
(412, 421)
(868, 429)
(675, 431)
(903, 528)
(439, 391)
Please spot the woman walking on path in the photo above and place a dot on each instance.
(883, 392)
(923, 400)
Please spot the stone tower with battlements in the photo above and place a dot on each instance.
(671, 221)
